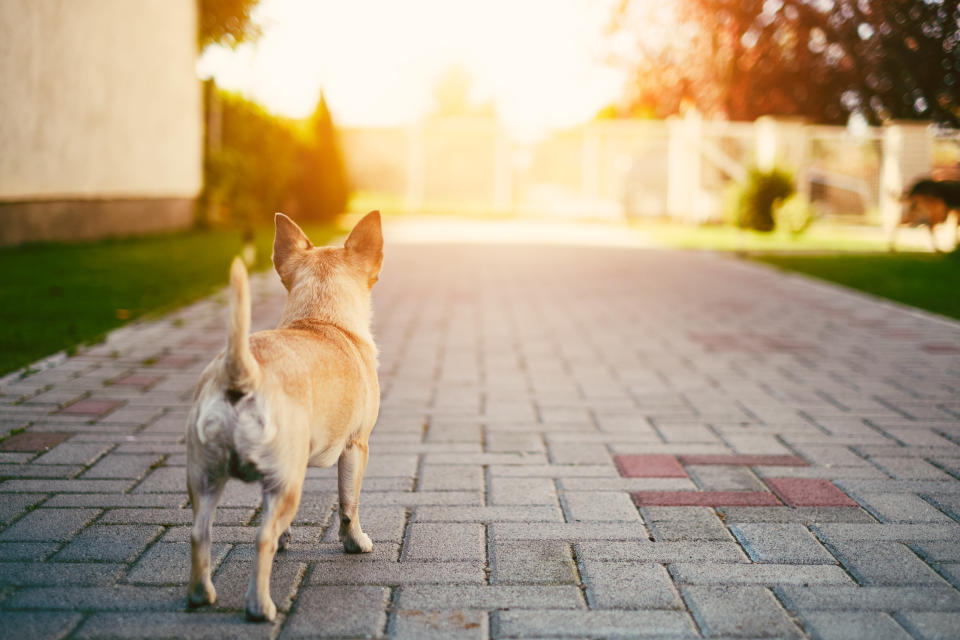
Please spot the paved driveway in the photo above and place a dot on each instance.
(587, 442)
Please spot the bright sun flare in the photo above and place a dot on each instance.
(539, 61)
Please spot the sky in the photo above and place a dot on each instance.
(377, 61)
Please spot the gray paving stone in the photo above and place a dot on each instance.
(506, 442)
(522, 513)
(49, 524)
(599, 506)
(37, 625)
(435, 477)
(32, 551)
(73, 453)
(434, 597)
(421, 498)
(662, 552)
(76, 485)
(725, 478)
(568, 531)
(39, 471)
(397, 573)
(235, 534)
(929, 625)
(578, 453)
(192, 625)
(117, 597)
(337, 612)
(59, 573)
(100, 543)
(122, 466)
(233, 576)
(169, 563)
(554, 471)
(14, 504)
(749, 611)
(909, 468)
(948, 503)
(439, 625)
(445, 541)
(803, 515)
(767, 574)
(382, 524)
(870, 598)
(887, 532)
(522, 491)
(554, 623)
(626, 484)
(107, 500)
(888, 563)
(900, 508)
(852, 625)
(685, 523)
(948, 551)
(780, 543)
(629, 585)
(532, 562)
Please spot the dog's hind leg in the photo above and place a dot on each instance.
(279, 507)
(353, 462)
(204, 496)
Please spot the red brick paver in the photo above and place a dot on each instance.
(91, 407)
(649, 466)
(744, 460)
(809, 492)
(40, 441)
(137, 380)
(705, 499)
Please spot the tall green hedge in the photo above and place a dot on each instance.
(257, 163)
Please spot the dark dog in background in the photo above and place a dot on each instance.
(929, 203)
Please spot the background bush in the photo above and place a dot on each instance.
(257, 163)
(750, 205)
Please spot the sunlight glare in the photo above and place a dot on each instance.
(540, 62)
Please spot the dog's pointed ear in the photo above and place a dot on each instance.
(365, 244)
(289, 243)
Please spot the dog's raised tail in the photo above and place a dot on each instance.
(242, 369)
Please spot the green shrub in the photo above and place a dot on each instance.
(261, 163)
(794, 215)
(750, 205)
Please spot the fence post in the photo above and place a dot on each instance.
(683, 165)
(906, 157)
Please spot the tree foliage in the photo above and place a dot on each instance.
(820, 59)
(226, 22)
(263, 163)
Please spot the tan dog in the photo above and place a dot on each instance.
(273, 402)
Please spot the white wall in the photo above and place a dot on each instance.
(99, 99)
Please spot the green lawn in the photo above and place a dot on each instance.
(57, 295)
(822, 236)
(927, 281)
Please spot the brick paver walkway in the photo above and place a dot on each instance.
(573, 442)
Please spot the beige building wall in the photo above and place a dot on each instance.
(100, 117)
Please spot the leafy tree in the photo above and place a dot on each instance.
(264, 164)
(820, 59)
(322, 188)
(226, 22)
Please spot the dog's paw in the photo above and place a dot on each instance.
(284, 540)
(261, 611)
(358, 544)
(201, 594)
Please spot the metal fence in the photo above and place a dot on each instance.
(678, 167)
